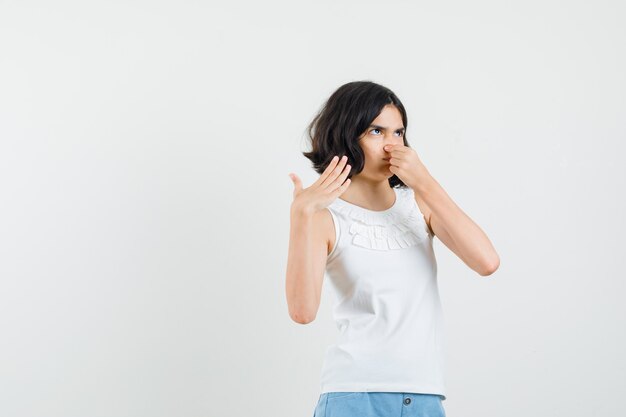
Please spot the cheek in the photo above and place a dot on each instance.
(372, 158)
(371, 153)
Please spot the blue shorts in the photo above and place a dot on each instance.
(379, 404)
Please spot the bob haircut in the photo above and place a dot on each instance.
(345, 116)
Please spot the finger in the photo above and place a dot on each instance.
(343, 187)
(394, 149)
(331, 165)
(398, 155)
(296, 181)
(340, 179)
(335, 172)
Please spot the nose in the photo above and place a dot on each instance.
(390, 140)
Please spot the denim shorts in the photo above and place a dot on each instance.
(379, 404)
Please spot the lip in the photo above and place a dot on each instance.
(386, 159)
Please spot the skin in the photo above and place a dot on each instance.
(312, 231)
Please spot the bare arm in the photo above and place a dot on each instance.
(455, 228)
(308, 246)
(305, 265)
(448, 222)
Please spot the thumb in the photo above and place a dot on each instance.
(296, 182)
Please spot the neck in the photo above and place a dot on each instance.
(377, 195)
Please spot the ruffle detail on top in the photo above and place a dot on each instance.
(400, 226)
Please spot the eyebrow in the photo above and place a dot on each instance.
(384, 128)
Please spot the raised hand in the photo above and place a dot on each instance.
(330, 185)
(407, 166)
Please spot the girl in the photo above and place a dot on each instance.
(369, 223)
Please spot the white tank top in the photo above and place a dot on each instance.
(382, 275)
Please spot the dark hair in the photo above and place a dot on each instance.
(347, 113)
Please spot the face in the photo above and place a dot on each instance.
(386, 129)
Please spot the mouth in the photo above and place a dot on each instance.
(386, 159)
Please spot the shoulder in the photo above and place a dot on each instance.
(423, 208)
(325, 227)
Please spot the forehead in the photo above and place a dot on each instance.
(389, 116)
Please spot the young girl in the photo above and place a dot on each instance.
(369, 223)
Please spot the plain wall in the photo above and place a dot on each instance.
(145, 149)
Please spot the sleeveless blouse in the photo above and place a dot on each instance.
(382, 277)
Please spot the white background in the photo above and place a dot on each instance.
(145, 149)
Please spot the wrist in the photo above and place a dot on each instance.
(301, 210)
(424, 183)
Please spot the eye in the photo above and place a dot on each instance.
(374, 129)
(401, 133)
